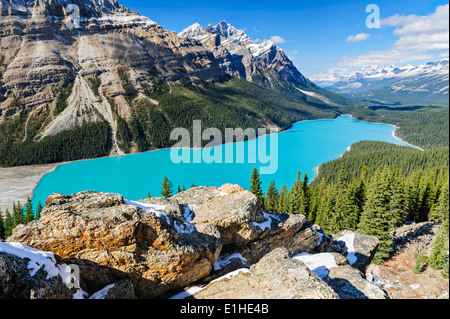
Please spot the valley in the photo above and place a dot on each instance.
(88, 103)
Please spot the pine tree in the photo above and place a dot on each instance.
(17, 215)
(414, 198)
(428, 197)
(375, 219)
(440, 210)
(2, 226)
(295, 197)
(438, 252)
(8, 224)
(283, 202)
(271, 201)
(29, 216)
(345, 212)
(255, 187)
(179, 189)
(167, 186)
(39, 209)
(399, 200)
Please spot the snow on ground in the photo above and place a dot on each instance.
(349, 240)
(188, 213)
(265, 225)
(318, 263)
(39, 259)
(225, 260)
(182, 228)
(157, 209)
(192, 291)
(102, 293)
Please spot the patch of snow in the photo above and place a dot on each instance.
(188, 212)
(38, 258)
(102, 293)
(318, 263)
(225, 260)
(192, 291)
(414, 286)
(184, 228)
(321, 236)
(186, 294)
(260, 49)
(156, 209)
(349, 240)
(233, 274)
(265, 225)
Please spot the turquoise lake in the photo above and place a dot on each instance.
(304, 147)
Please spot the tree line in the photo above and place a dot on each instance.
(90, 140)
(372, 205)
(21, 215)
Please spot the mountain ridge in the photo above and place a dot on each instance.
(424, 82)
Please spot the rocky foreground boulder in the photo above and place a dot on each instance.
(159, 248)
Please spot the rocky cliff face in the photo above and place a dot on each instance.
(46, 46)
(239, 56)
(204, 242)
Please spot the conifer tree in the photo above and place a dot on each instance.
(427, 201)
(399, 200)
(2, 226)
(438, 252)
(255, 186)
(17, 215)
(283, 202)
(295, 197)
(375, 219)
(8, 224)
(29, 216)
(440, 210)
(271, 201)
(167, 186)
(39, 209)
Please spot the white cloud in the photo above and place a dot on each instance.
(277, 39)
(295, 52)
(359, 37)
(418, 36)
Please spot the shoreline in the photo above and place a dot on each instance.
(394, 134)
(18, 183)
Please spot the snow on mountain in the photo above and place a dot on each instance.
(425, 83)
(369, 77)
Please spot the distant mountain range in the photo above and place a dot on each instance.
(408, 84)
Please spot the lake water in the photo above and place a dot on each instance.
(305, 146)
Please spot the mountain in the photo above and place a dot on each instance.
(409, 84)
(60, 71)
(264, 64)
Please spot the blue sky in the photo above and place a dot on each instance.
(316, 33)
